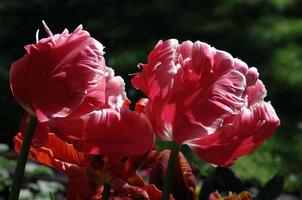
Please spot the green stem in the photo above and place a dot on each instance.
(51, 196)
(170, 170)
(106, 192)
(22, 158)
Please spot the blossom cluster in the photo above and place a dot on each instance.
(195, 95)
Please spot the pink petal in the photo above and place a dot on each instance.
(107, 131)
(256, 93)
(156, 77)
(206, 114)
(185, 49)
(248, 130)
(115, 89)
(252, 76)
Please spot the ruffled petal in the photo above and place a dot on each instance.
(59, 73)
(115, 90)
(207, 84)
(107, 131)
(57, 154)
(205, 116)
(157, 76)
(239, 136)
(256, 93)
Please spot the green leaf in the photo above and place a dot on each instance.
(272, 189)
(6, 163)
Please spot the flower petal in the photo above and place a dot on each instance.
(81, 187)
(184, 181)
(245, 132)
(157, 76)
(107, 131)
(206, 114)
(55, 153)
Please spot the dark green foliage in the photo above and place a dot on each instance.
(272, 189)
(222, 180)
(39, 179)
(202, 168)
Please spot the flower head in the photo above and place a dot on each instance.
(64, 81)
(205, 98)
(60, 74)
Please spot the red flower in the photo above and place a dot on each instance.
(184, 183)
(63, 157)
(60, 74)
(207, 99)
(87, 174)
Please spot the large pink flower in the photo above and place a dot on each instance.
(207, 99)
(64, 81)
(60, 74)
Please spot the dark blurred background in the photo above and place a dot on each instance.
(266, 34)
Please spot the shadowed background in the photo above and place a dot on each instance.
(266, 34)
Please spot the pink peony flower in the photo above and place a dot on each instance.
(205, 98)
(60, 75)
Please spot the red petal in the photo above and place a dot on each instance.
(55, 153)
(40, 136)
(80, 188)
(183, 181)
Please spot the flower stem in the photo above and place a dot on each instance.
(106, 192)
(170, 170)
(51, 196)
(22, 158)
